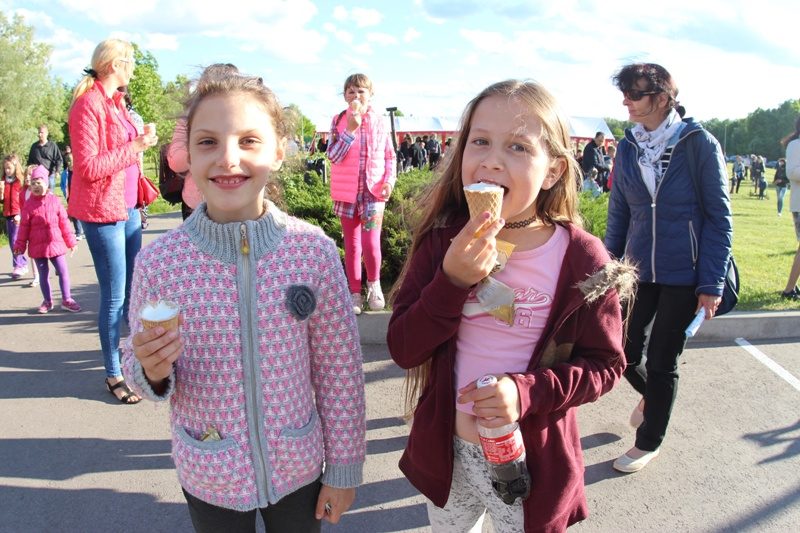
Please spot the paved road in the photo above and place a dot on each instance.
(74, 460)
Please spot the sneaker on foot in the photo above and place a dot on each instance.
(375, 298)
(791, 295)
(45, 308)
(19, 272)
(358, 302)
(70, 305)
(33, 283)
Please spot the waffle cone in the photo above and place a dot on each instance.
(168, 324)
(480, 201)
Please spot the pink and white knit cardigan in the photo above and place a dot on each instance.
(285, 394)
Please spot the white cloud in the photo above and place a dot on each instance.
(365, 18)
(340, 13)
(343, 35)
(160, 41)
(411, 34)
(364, 49)
(381, 38)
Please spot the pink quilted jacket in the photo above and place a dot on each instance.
(101, 152)
(44, 228)
(344, 171)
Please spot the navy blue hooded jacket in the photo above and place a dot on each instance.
(670, 235)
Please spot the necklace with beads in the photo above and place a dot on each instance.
(520, 223)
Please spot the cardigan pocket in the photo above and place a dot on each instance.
(299, 450)
(213, 466)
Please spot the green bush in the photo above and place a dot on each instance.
(305, 196)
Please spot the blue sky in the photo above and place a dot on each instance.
(429, 57)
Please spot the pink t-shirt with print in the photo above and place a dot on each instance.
(486, 345)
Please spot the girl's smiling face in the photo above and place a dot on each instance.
(8, 168)
(504, 147)
(233, 149)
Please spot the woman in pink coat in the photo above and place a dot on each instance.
(46, 232)
(106, 170)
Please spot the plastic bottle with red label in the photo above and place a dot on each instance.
(505, 456)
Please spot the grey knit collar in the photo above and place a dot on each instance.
(224, 241)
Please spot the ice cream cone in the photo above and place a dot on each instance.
(482, 197)
(161, 313)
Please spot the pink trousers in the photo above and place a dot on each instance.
(358, 240)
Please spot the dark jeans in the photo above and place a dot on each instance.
(294, 512)
(669, 309)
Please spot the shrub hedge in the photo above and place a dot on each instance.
(305, 195)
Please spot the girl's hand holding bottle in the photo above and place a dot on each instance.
(497, 405)
(473, 252)
(157, 349)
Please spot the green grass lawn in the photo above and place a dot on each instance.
(764, 246)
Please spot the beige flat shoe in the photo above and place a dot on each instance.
(627, 464)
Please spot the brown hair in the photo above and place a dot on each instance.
(445, 199)
(224, 79)
(792, 136)
(13, 159)
(658, 80)
(358, 80)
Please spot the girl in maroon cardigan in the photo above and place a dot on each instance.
(558, 346)
(46, 232)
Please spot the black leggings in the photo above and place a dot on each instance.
(670, 309)
(294, 512)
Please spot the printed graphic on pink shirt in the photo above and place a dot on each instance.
(526, 303)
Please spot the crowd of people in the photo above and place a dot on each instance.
(264, 372)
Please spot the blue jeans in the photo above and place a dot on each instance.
(114, 247)
(781, 194)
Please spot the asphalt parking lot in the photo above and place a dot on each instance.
(75, 460)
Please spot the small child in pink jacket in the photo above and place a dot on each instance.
(46, 232)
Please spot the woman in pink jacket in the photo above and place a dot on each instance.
(106, 171)
(46, 232)
(363, 173)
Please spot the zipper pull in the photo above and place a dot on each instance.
(245, 245)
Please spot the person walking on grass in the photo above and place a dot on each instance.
(792, 144)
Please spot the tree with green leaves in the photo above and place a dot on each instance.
(29, 96)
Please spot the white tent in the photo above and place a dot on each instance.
(579, 127)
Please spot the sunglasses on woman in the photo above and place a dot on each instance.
(636, 95)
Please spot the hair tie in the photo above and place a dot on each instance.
(90, 72)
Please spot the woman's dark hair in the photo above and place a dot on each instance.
(792, 136)
(658, 80)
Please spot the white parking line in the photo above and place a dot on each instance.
(769, 363)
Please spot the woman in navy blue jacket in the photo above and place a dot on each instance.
(680, 244)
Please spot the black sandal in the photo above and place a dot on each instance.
(125, 397)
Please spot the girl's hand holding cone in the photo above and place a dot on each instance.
(157, 349)
(473, 252)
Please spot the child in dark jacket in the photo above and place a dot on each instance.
(552, 336)
(46, 232)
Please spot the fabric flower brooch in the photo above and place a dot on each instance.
(300, 301)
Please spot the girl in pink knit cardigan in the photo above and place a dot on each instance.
(46, 232)
(264, 372)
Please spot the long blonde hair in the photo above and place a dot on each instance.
(102, 59)
(445, 199)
